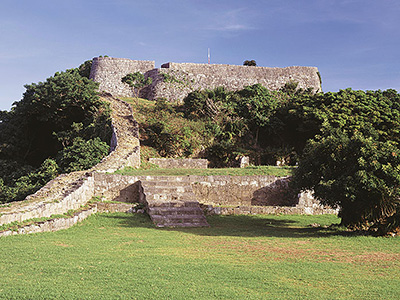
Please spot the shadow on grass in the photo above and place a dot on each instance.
(242, 225)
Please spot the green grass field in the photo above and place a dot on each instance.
(122, 256)
(249, 171)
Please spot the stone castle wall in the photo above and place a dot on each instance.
(108, 72)
(174, 81)
(187, 77)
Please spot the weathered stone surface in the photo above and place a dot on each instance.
(125, 144)
(187, 77)
(214, 190)
(114, 207)
(108, 72)
(181, 163)
(256, 210)
(171, 203)
(53, 224)
(192, 76)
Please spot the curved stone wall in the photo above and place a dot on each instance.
(108, 72)
(174, 81)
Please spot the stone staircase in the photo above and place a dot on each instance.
(172, 203)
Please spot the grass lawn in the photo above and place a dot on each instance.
(256, 170)
(121, 256)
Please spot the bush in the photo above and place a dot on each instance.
(82, 155)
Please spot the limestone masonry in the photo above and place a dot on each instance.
(174, 81)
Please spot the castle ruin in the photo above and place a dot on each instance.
(173, 81)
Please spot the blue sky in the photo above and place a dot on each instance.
(354, 43)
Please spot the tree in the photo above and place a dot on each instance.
(354, 162)
(51, 115)
(256, 104)
(250, 63)
(49, 121)
(137, 81)
(355, 172)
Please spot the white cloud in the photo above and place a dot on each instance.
(230, 21)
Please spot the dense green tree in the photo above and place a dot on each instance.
(354, 162)
(47, 123)
(15, 189)
(85, 68)
(51, 115)
(355, 172)
(256, 105)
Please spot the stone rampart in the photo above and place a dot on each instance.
(180, 163)
(174, 81)
(108, 72)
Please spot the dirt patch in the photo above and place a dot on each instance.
(61, 244)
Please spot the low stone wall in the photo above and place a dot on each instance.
(52, 225)
(66, 192)
(230, 191)
(115, 187)
(276, 210)
(181, 163)
(104, 207)
(65, 223)
(244, 190)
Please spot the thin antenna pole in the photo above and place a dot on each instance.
(208, 55)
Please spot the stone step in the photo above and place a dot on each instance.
(175, 211)
(190, 224)
(176, 179)
(164, 221)
(183, 197)
(173, 204)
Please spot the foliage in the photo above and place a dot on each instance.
(250, 63)
(19, 187)
(171, 134)
(51, 115)
(355, 172)
(85, 68)
(82, 155)
(137, 81)
(353, 164)
(48, 121)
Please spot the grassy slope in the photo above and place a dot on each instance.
(121, 256)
